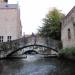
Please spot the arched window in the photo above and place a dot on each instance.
(69, 33)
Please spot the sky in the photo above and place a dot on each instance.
(33, 11)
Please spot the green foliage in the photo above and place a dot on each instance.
(51, 25)
(3, 46)
(68, 51)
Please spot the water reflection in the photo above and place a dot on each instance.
(36, 65)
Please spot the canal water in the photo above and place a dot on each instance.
(37, 65)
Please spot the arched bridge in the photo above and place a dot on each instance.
(34, 45)
(8, 48)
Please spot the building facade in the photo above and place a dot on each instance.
(68, 29)
(10, 24)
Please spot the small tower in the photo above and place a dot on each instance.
(3, 1)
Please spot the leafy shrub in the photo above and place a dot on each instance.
(67, 51)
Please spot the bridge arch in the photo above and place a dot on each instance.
(30, 46)
(31, 52)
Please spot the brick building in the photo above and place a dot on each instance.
(10, 24)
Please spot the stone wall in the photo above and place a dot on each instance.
(68, 23)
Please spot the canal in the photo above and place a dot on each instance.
(37, 65)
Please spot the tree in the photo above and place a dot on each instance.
(51, 25)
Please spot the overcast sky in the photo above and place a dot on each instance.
(33, 11)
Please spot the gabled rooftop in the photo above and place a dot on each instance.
(70, 12)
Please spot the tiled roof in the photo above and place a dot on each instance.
(8, 6)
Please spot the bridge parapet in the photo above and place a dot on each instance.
(8, 47)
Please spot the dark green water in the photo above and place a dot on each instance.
(35, 65)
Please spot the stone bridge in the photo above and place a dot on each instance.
(7, 48)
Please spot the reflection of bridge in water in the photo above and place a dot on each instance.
(38, 44)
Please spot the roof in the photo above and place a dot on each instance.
(70, 12)
(8, 6)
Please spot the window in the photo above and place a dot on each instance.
(5, 0)
(1, 38)
(72, 19)
(69, 33)
(8, 38)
